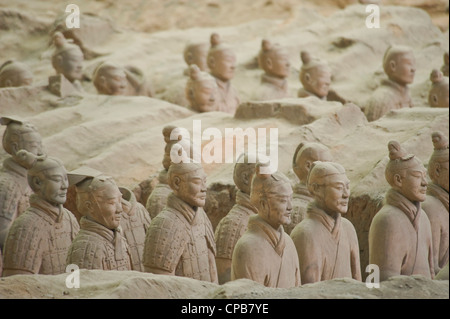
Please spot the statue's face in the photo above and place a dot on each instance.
(280, 64)
(224, 65)
(71, 65)
(277, 208)
(403, 68)
(53, 188)
(438, 96)
(192, 188)
(413, 183)
(107, 206)
(205, 95)
(335, 194)
(320, 81)
(116, 82)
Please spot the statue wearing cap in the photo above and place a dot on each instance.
(326, 242)
(274, 60)
(158, 197)
(99, 243)
(438, 94)
(202, 91)
(14, 188)
(400, 66)
(222, 63)
(315, 77)
(234, 224)
(400, 240)
(39, 239)
(180, 240)
(304, 156)
(265, 253)
(436, 203)
(195, 53)
(15, 74)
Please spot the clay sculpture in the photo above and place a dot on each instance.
(99, 243)
(14, 188)
(304, 156)
(180, 240)
(326, 242)
(196, 53)
(274, 60)
(222, 64)
(265, 253)
(436, 203)
(202, 91)
(15, 74)
(400, 240)
(39, 239)
(438, 95)
(234, 224)
(400, 66)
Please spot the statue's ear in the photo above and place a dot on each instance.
(211, 62)
(269, 63)
(437, 169)
(36, 184)
(176, 181)
(59, 61)
(398, 181)
(434, 99)
(393, 65)
(189, 58)
(308, 77)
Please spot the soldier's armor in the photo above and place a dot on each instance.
(300, 200)
(158, 198)
(134, 224)
(233, 226)
(95, 248)
(14, 193)
(37, 242)
(187, 247)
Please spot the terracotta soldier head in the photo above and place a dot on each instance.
(67, 58)
(304, 157)
(98, 197)
(20, 135)
(330, 187)
(14, 74)
(46, 176)
(406, 173)
(438, 163)
(273, 59)
(243, 172)
(195, 53)
(399, 64)
(444, 68)
(271, 194)
(182, 152)
(438, 95)
(221, 59)
(110, 79)
(188, 182)
(201, 90)
(315, 75)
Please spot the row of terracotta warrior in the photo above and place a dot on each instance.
(275, 234)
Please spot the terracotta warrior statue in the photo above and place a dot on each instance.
(436, 203)
(265, 253)
(111, 79)
(400, 67)
(274, 60)
(14, 74)
(67, 60)
(400, 239)
(326, 242)
(14, 188)
(315, 77)
(196, 53)
(222, 64)
(39, 239)
(438, 95)
(234, 224)
(444, 67)
(180, 240)
(99, 243)
(158, 197)
(304, 156)
(202, 91)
